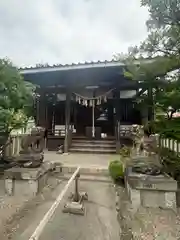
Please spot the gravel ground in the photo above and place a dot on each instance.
(147, 223)
(9, 205)
(17, 211)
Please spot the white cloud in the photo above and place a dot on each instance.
(66, 31)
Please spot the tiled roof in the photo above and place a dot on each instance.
(83, 64)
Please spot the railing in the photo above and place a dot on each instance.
(171, 144)
(37, 233)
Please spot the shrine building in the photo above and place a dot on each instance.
(84, 106)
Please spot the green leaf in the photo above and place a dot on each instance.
(16, 98)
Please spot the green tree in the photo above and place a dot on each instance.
(164, 28)
(164, 40)
(159, 54)
(150, 65)
(16, 99)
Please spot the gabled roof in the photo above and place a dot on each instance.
(60, 67)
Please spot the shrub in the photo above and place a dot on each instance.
(116, 170)
(170, 161)
(125, 151)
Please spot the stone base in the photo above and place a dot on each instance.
(151, 191)
(29, 160)
(26, 181)
(74, 208)
(25, 157)
(83, 196)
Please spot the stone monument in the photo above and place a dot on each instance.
(30, 173)
(31, 155)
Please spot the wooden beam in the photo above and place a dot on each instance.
(67, 120)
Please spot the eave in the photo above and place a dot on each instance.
(66, 67)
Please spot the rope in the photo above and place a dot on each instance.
(94, 98)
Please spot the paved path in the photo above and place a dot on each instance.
(83, 160)
(99, 222)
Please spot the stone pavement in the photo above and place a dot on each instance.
(99, 223)
(83, 160)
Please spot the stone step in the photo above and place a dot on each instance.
(92, 170)
(92, 150)
(93, 141)
(93, 173)
(89, 145)
(84, 177)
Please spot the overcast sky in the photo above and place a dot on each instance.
(66, 31)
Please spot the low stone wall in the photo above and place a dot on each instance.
(150, 191)
(145, 223)
(26, 181)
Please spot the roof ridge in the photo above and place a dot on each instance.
(46, 65)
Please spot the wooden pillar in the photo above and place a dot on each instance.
(117, 119)
(42, 111)
(67, 120)
(36, 113)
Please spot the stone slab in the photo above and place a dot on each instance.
(150, 191)
(24, 157)
(84, 170)
(26, 181)
(18, 173)
(143, 181)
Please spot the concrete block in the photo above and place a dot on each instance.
(152, 199)
(135, 198)
(151, 191)
(25, 181)
(9, 186)
(170, 200)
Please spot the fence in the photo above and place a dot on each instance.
(171, 144)
(15, 147)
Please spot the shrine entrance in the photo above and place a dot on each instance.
(94, 121)
(94, 116)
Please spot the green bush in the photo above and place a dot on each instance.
(170, 161)
(116, 170)
(125, 151)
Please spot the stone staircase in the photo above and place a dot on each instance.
(105, 146)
